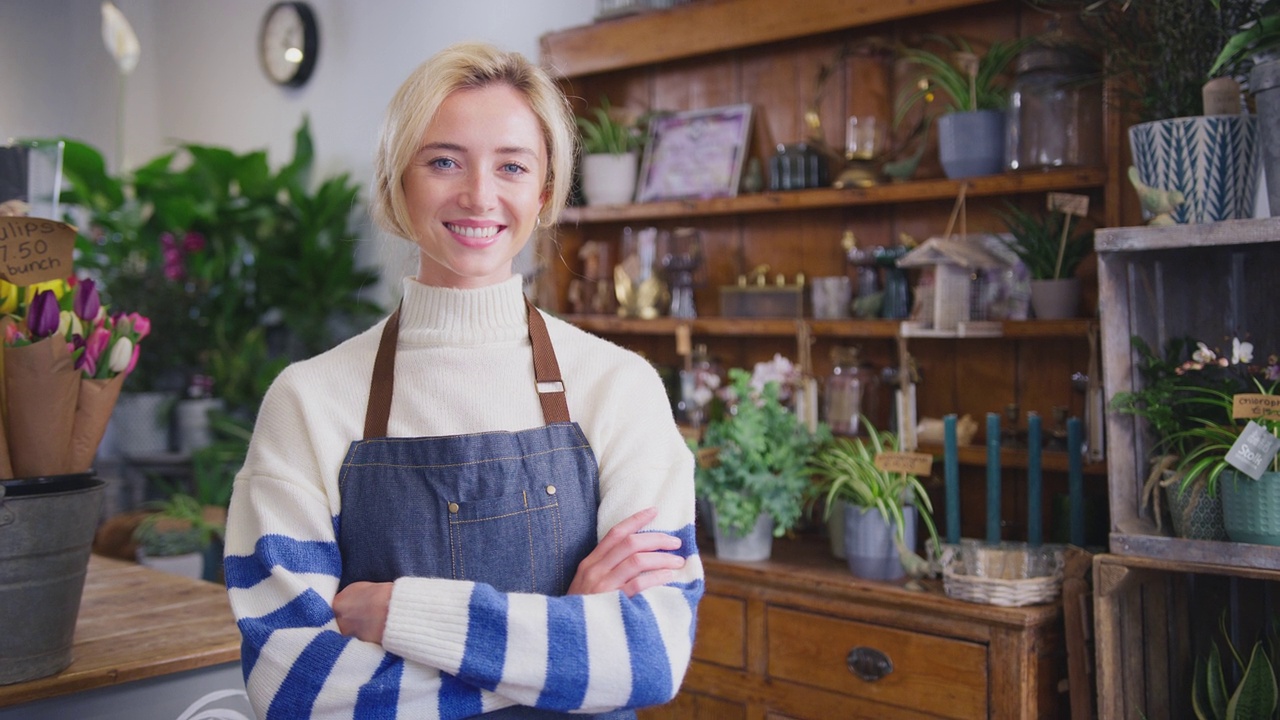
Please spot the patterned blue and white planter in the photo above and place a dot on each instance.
(1211, 159)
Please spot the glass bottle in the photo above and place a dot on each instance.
(1055, 110)
(842, 392)
(698, 384)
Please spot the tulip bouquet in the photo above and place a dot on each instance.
(65, 359)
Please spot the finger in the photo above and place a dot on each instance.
(636, 565)
(648, 580)
(599, 566)
(629, 526)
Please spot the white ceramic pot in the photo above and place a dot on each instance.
(191, 423)
(609, 179)
(140, 423)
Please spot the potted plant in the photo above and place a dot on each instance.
(1252, 53)
(174, 537)
(1158, 54)
(753, 469)
(1051, 251)
(1168, 401)
(880, 507)
(1254, 696)
(229, 259)
(971, 130)
(611, 154)
(1227, 444)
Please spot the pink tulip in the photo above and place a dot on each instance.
(133, 361)
(96, 343)
(141, 324)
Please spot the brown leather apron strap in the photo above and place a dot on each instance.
(546, 371)
(383, 383)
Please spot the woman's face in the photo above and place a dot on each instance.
(475, 187)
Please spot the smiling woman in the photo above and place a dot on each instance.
(490, 539)
(476, 187)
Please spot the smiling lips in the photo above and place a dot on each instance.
(474, 236)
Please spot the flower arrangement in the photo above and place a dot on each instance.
(65, 360)
(1188, 397)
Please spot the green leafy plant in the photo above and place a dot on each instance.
(1260, 37)
(231, 261)
(761, 454)
(846, 470)
(987, 89)
(1254, 696)
(1209, 396)
(607, 132)
(1159, 52)
(177, 526)
(1039, 243)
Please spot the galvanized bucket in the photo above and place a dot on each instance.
(46, 533)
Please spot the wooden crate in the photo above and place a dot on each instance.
(1211, 282)
(1153, 617)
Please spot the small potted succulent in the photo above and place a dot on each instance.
(173, 537)
(611, 145)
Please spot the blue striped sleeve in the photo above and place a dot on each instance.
(299, 556)
(566, 684)
(297, 694)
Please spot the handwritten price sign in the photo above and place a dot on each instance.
(35, 250)
(905, 462)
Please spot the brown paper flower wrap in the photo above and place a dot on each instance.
(60, 384)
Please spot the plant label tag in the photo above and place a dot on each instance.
(911, 463)
(1069, 203)
(1255, 405)
(1253, 451)
(34, 250)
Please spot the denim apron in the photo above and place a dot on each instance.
(515, 510)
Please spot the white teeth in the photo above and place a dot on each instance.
(473, 232)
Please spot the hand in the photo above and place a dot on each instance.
(628, 560)
(361, 610)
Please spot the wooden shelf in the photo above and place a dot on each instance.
(1051, 460)
(793, 200)
(783, 327)
(681, 32)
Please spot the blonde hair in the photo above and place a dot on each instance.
(458, 67)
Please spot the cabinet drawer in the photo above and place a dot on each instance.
(940, 676)
(722, 631)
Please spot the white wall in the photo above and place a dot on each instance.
(199, 81)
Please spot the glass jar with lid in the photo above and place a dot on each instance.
(842, 391)
(1055, 110)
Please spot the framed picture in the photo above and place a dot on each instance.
(695, 154)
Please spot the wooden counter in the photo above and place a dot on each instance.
(136, 624)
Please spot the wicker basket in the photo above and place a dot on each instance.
(1008, 574)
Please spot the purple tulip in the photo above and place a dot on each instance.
(87, 302)
(42, 315)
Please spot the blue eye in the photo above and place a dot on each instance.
(514, 168)
(443, 163)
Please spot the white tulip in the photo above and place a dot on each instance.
(121, 354)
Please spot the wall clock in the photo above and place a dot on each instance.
(288, 43)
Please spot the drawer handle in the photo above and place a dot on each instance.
(869, 663)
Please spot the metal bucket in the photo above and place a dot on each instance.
(46, 534)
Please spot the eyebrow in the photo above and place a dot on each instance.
(454, 147)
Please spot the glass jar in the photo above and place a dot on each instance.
(1055, 111)
(842, 392)
(698, 384)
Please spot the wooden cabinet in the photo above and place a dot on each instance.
(1158, 598)
(799, 637)
(770, 54)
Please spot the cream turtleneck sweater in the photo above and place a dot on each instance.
(463, 365)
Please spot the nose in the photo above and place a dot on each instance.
(479, 193)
